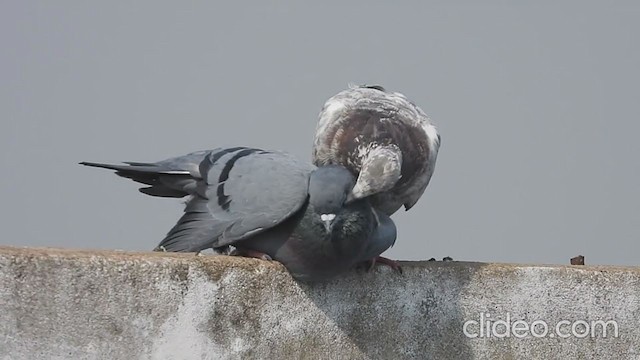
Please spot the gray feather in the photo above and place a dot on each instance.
(243, 191)
(269, 202)
(384, 236)
(174, 177)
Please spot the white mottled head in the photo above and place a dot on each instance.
(381, 170)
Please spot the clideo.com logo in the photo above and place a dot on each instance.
(503, 327)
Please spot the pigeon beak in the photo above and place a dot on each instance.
(327, 220)
(327, 226)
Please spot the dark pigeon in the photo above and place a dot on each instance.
(266, 204)
(382, 138)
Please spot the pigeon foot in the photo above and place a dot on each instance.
(385, 261)
(251, 254)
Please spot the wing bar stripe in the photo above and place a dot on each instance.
(223, 200)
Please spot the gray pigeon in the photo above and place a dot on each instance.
(382, 138)
(266, 204)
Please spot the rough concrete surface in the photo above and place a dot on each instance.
(63, 304)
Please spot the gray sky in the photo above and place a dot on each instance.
(537, 104)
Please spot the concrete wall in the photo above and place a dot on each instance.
(62, 304)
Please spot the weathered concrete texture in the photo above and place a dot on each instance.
(57, 304)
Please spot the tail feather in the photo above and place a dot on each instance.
(104, 166)
(160, 191)
(133, 163)
(164, 182)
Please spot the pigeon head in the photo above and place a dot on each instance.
(381, 170)
(329, 187)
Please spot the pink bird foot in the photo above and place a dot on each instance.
(385, 261)
(251, 254)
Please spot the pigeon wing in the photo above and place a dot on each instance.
(243, 191)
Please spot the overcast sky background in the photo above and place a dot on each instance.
(537, 104)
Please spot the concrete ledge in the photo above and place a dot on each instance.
(63, 304)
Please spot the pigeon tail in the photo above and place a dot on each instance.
(164, 182)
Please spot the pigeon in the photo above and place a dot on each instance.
(266, 204)
(384, 139)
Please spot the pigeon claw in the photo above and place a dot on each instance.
(251, 254)
(385, 261)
